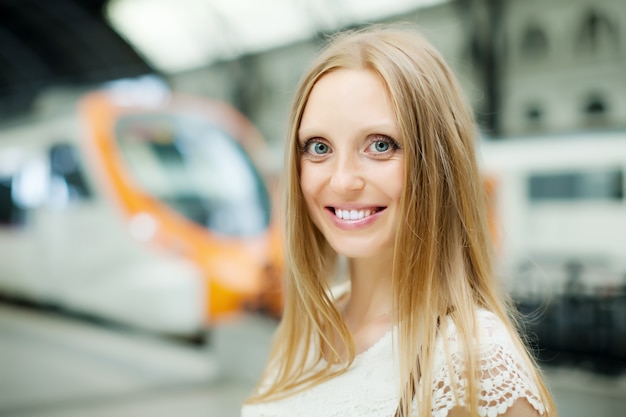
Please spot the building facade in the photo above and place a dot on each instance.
(556, 67)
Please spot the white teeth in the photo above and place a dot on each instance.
(353, 214)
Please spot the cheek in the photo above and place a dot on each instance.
(392, 181)
(308, 180)
(399, 181)
(309, 184)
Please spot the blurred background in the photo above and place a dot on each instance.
(140, 155)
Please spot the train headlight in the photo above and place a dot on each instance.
(143, 227)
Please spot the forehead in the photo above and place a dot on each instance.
(348, 96)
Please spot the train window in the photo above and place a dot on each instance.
(592, 185)
(10, 212)
(67, 181)
(197, 169)
(31, 183)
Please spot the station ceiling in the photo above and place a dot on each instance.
(58, 42)
(178, 35)
(47, 43)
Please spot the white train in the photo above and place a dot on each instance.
(139, 206)
(558, 216)
(558, 211)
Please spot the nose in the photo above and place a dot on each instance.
(346, 176)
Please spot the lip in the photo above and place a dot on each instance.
(345, 224)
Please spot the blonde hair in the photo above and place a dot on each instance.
(442, 257)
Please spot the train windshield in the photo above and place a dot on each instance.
(197, 169)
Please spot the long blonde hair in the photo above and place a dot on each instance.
(442, 257)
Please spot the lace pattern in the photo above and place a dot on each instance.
(504, 380)
(371, 385)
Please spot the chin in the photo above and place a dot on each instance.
(356, 250)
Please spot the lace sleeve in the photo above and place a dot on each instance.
(504, 376)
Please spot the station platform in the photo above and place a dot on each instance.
(58, 366)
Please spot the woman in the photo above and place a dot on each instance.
(381, 173)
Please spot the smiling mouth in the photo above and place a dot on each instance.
(355, 214)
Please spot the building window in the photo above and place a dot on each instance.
(597, 31)
(595, 109)
(534, 42)
(534, 113)
(533, 117)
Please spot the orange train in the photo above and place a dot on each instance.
(143, 207)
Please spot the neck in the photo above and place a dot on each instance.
(371, 290)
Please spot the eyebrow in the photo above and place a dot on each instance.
(383, 128)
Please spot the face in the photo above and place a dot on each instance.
(352, 165)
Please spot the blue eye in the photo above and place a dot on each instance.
(319, 148)
(315, 148)
(381, 146)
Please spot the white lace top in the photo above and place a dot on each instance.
(370, 387)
